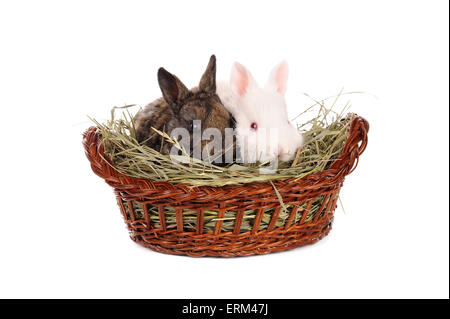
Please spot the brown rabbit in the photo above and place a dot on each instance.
(179, 107)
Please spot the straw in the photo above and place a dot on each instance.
(325, 135)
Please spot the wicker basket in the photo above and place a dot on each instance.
(145, 203)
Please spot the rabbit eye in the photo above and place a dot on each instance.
(193, 126)
(254, 126)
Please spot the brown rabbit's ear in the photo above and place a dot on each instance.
(208, 80)
(173, 90)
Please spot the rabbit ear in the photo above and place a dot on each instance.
(172, 88)
(278, 78)
(208, 80)
(240, 79)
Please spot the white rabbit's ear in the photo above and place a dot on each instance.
(278, 78)
(240, 79)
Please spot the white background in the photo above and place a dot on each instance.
(61, 233)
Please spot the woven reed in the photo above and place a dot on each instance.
(144, 204)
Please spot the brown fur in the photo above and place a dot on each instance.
(179, 107)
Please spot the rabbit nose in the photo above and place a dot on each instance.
(280, 151)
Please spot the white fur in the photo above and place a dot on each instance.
(266, 106)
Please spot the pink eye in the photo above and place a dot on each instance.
(254, 126)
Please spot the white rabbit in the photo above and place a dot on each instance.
(260, 112)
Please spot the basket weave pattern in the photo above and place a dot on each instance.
(145, 204)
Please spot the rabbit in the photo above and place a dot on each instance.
(259, 111)
(179, 107)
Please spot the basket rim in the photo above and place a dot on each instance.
(345, 164)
